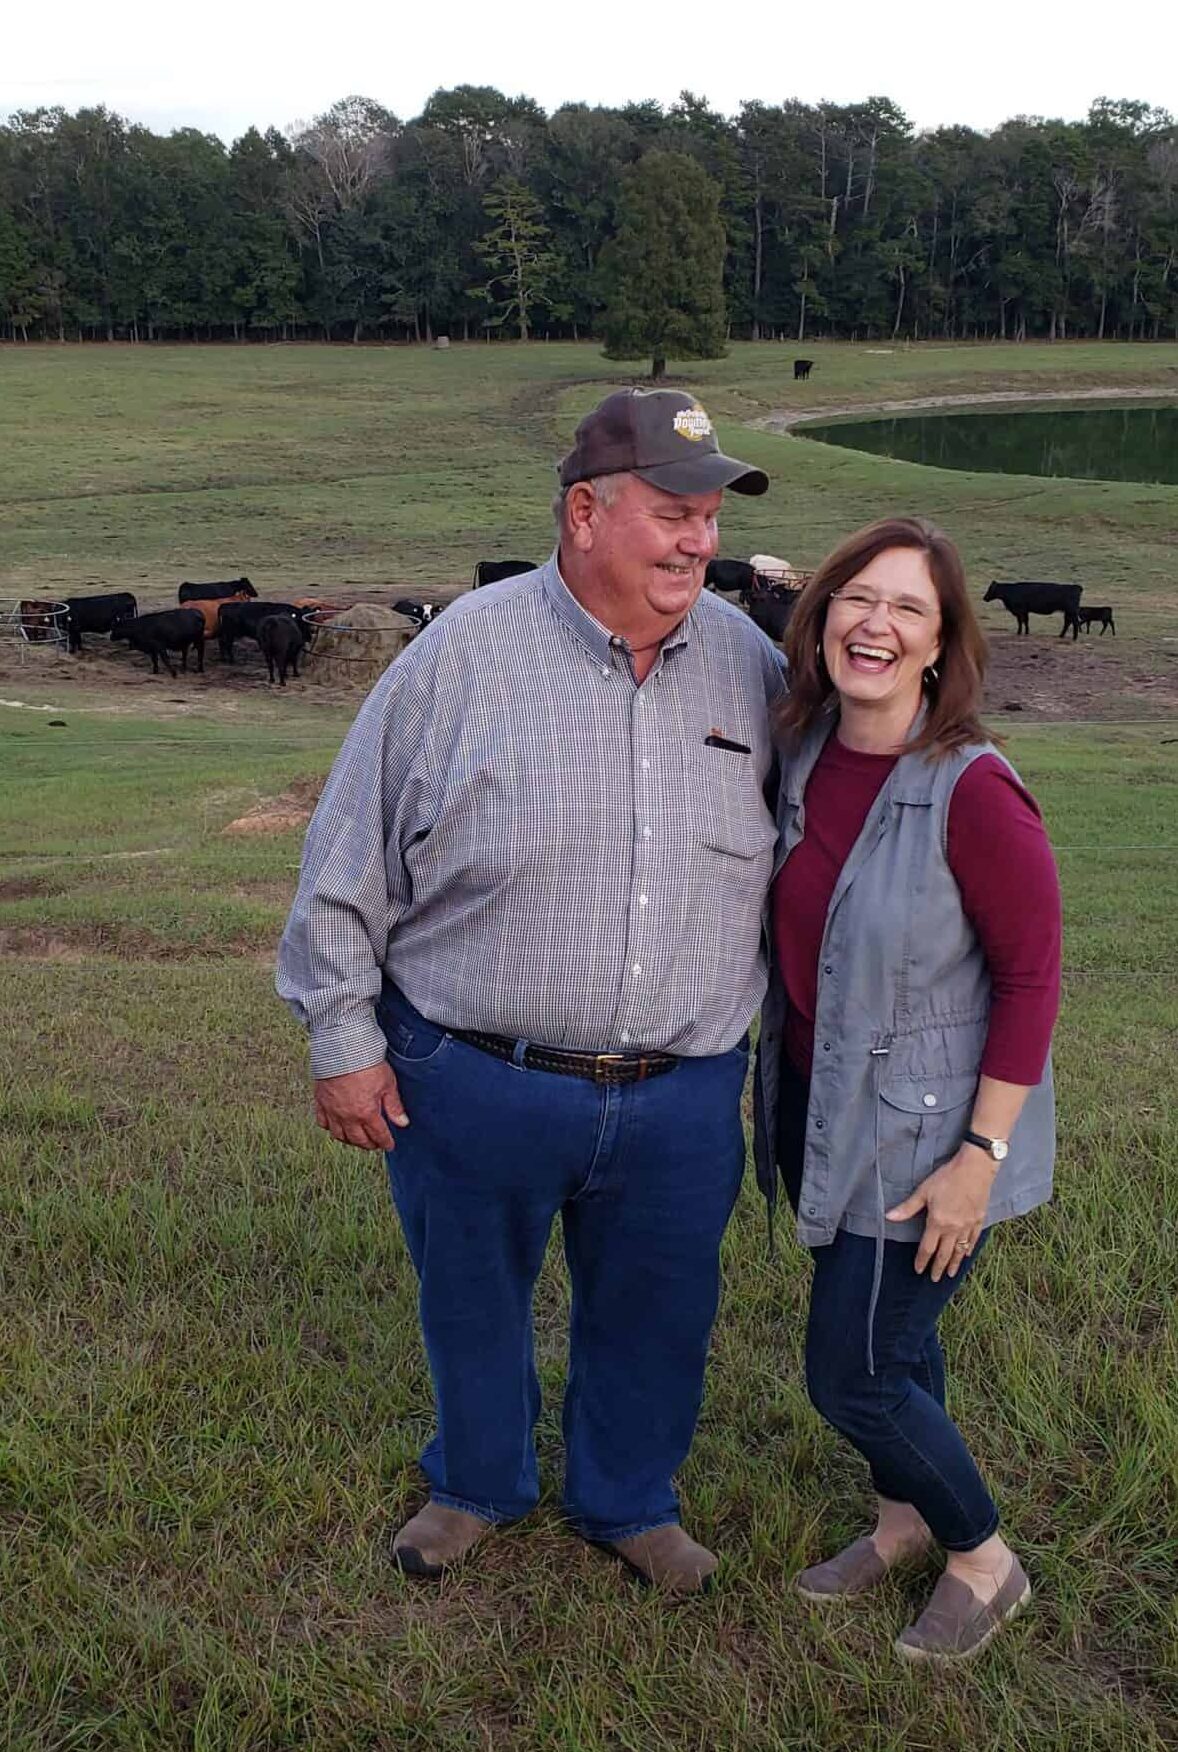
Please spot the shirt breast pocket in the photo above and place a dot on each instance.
(724, 803)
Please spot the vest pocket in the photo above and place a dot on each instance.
(921, 1123)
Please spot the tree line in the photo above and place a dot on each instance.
(486, 216)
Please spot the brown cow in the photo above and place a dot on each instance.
(42, 620)
(210, 609)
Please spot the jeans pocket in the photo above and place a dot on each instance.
(412, 1039)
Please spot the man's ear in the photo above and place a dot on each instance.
(580, 506)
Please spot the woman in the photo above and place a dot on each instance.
(904, 1083)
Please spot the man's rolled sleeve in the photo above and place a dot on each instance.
(352, 884)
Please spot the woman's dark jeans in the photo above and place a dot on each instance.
(896, 1417)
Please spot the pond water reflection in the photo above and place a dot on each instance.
(1102, 444)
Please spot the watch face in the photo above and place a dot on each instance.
(1000, 1149)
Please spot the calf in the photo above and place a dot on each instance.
(1025, 599)
(494, 571)
(802, 369)
(281, 640)
(97, 614)
(241, 620)
(730, 576)
(1088, 616)
(174, 629)
(208, 592)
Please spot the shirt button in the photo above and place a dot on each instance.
(642, 899)
(646, 833)
(641, 701)
(646, 766)
(636, 971)
(605, 669)
(625, 1037)
(929, 1100)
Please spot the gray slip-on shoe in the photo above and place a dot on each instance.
(436, 1539)
(855, 1570)
(956, 1625)
(667, 1558)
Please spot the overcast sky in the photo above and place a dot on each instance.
(222, 67)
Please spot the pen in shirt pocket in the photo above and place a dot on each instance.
(716, 739)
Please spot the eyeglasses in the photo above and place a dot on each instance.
(902, 610)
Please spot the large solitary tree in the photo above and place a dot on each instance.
(662, 274)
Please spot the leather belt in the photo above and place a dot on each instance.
(597, 1067)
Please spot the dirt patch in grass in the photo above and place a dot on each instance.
(1062, 679)
(282, 814)
(114, 943)
(28, 887)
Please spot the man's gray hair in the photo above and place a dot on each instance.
(605, 489)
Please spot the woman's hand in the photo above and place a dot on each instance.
(954, 1199)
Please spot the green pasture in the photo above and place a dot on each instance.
(313, 466)
(211, 1384)
(213, 1389)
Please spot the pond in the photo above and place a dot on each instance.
(1097, 444)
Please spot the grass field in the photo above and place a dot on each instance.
(211, 1386)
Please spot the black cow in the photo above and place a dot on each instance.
(214, 592)
(730, 576)
(802, 369)
(97, 614)
(1089, 616)
(494, 571)
(770, 607)
(241, 620)
(174, 629)
(422, 613)
(281, 639)
(1024, 600)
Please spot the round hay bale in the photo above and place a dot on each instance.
(356, 647)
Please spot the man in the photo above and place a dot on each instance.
(527, 944)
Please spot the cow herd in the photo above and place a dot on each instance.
(229, 610)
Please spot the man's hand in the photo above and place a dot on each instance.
(359, 1107)
(955, 1199)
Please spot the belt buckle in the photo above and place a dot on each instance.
(603, 1060)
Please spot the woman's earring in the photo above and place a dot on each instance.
(932, 675)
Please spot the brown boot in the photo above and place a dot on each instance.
(436, 1539)
(667, 1558)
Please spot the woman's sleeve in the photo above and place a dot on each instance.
(1003, 864)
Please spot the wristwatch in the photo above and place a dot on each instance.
(998, 1148)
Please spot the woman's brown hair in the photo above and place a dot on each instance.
(953, 695)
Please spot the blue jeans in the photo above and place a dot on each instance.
(644, 1178)
(896, 1418)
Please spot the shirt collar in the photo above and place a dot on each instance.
(587, 629)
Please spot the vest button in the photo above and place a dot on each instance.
(818, 1124)
(826, 1046)
(929, 1100)
(828, 968)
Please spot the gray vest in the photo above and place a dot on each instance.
(901, 1022)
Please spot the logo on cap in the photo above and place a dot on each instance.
(692, 423)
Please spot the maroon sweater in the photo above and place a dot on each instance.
(1002, 861)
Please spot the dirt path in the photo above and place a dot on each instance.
(783, 419)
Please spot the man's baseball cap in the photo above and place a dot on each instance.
(663, 436)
